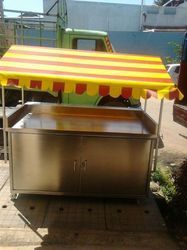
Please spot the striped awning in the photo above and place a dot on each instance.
(52, 69)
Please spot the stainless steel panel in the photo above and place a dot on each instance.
(115, 166)
(92, 120)
(80, 150)
(45, 162)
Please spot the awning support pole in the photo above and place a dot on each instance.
(22, 96)
(158, 134)
(4, 125)
(145, 105)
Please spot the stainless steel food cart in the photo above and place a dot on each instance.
(56, 149)
(80, 150)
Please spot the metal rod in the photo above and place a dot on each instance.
(4, 125)
(22, 96)
(22, 31)
(141, 17)
(145, 105)
(40, 25)
(29, 12)
(158, 134)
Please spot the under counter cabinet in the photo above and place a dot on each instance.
(79, 165)
(110, 167)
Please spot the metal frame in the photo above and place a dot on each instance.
(85, 142)
(5, 148)
(4, 125)
(158, 133)
(22, 95)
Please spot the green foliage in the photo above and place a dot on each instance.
(173, 185)
(160, 2)
(163, 176)
(177, 49)
(179, 201)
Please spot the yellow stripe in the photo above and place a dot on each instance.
(84, 61)
(83, 70)
(126, 83)
(87, 53)
(69, 87)
(92, 89)
(136, 93)
(115, 91)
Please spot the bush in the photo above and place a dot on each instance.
(163, 176)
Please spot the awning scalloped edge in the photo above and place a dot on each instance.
(95, 89)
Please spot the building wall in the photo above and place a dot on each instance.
(120, 17)
(123, 21)
(104, 16)
(150, 43)
(170, 17)
(100, 16)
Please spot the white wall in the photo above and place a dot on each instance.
(100, 16)
(103, 16)
(119, 17)
(166, 16)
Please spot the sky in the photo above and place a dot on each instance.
(37, 5)
(27, 5)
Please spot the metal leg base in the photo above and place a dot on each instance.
(13, 196)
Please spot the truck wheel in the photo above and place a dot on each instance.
(114, 102)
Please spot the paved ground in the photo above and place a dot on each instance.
(37, 221)
(173, 134)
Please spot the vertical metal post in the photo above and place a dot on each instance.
(22, 32)
(4, 125)
(40, 27)
(145, 105)
(22, 96)
(141, 17)
(158, 134)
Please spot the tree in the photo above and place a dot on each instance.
(177, 50)
(160, 2)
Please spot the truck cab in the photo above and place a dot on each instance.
(84, 40)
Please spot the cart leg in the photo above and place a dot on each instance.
(13, 196)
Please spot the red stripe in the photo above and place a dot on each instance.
(58, 86)
(173, 94)
(62, 73)
(66, 64)
(104, 90)
(35, 84)
(12, 81)
(82, 57)
(126, 92)
(57, 50)
(80, 88)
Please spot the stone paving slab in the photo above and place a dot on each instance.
(52, 222)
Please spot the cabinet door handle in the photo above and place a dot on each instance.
(74, 165)
(84, 165)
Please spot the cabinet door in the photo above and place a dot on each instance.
(45, 162)
(113, 166)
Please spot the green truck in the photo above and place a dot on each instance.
(65, 38)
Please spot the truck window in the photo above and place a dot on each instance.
(88, 44)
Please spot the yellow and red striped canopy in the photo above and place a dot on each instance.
(114, 74)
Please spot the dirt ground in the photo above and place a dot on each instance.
(174, 135)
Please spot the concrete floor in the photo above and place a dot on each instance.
(56, 222)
